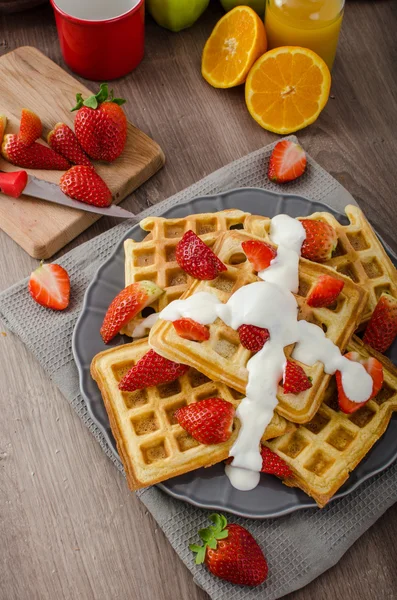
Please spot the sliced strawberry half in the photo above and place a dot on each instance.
(287, 162)
(208, 421)
(152, 369)
(30, 128)
(273, 464)
(325, 291)
(260, 254)
(197, 259)
(321, 240)
(381, 330)
(373, 368)
(253, 338)
(126, 306)
(49, 285)
(295, 379)
(189, 329)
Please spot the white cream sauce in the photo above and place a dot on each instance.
(270, 304)
(141, 329)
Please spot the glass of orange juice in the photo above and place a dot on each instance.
(313, 24)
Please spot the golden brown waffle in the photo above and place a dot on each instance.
(154, 258)
(151, 444)
(322, 453)
(358, 255)
(222, 358)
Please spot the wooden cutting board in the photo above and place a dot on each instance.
(28, 79)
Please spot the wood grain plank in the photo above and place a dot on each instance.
(121, 554)
(28, 78)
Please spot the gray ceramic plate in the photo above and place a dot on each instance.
(210, 488)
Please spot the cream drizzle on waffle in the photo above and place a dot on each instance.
(270, 304)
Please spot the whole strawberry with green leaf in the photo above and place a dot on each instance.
(231, 553)
(101, 125)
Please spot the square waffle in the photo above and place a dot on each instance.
(152, 445)
(223, 358)
(154, 258)
(358, 255)
(322, 453)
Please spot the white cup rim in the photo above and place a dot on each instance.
(95, 21)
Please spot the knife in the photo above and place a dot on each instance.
(45, 190)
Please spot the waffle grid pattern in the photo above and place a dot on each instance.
(222, 357)
(153, 445)
(154, 258)
(323, 452)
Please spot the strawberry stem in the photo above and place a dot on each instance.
(210, 536)
(95, 100)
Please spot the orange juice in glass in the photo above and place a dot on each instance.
(313, 24)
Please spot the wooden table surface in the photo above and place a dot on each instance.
(69, 527)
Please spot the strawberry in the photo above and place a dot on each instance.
(14, 183)
(84, 184)
(381, 330)
(325, 291)
(3, 125)
(260, 254)
(49, 285)
(191, 330)
(208, 421)
(295, 379)
(373, 368)
(194, 257)
(36, 156)
(151, 369)
(64, 141)
(273, 464)
(101, 125)
(321, 240)
(287, 162)
(30, 128)
(253, 338)
(126, 305)
(231, 553)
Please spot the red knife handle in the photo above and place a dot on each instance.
(13, 184)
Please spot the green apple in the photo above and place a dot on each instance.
(176, 14)
(257, 5)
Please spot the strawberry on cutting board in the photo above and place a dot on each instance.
(49, 285)
(83, 183)
(252, 337)
(30, 128)
(260, 254)
(35, 156)
(64, 141)
(152, 369)
(295, 379)
(196, 259)
(189, 329)
(373, 368)
(381, 330)
(321, 240)
(231, 553)
(273, 464)
(287, 162)
(126, 305)
(101, 125)
(325, 291)
(208, 421)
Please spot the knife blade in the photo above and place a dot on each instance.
(45, 190)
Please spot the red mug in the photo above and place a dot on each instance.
(101, 39)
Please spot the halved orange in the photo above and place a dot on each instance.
(287, 88)
(237, 40)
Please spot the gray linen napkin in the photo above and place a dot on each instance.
(300, 546)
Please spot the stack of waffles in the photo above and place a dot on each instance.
(320, 444)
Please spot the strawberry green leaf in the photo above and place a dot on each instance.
(205, 534)
(91, 102)
(103, 93)
(119, 101)
(200, 553)
(222, 535)
(212, 544)
(79, 102)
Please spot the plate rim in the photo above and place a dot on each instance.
(80, 367)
